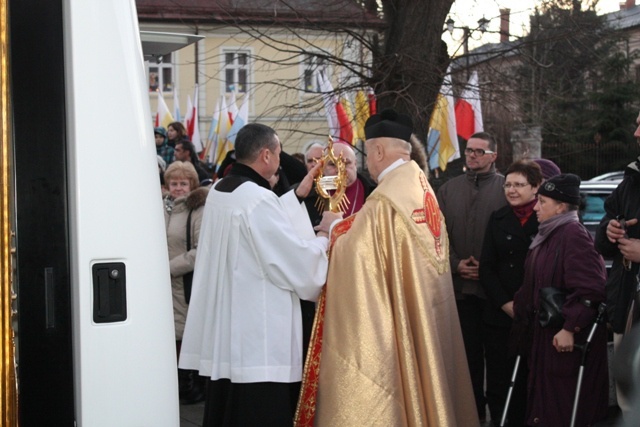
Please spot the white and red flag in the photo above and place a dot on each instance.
(191, 122)
(469, 110)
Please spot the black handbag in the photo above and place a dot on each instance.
(551, 300)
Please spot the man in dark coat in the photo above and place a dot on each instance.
(467, 202)
(186, 152)
(623, 245)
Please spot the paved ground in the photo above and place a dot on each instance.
(191, 415)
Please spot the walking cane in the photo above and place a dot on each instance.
(585, 350)
(511, 385)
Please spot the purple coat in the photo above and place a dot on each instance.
(567, 259)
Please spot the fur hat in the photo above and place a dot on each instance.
(389, 123)
(563, 188)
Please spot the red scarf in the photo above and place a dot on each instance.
(524, 212)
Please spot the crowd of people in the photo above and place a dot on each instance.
(409, 307)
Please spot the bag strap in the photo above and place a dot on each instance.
(189, 230)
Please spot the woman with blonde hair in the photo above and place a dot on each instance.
(183, 215)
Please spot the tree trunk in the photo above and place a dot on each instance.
(410, 64)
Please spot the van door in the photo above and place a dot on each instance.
(44, 342)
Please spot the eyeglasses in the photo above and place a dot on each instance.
(479, 152)
(517, 185)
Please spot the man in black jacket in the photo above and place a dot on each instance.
(186, 152)
(618, 237)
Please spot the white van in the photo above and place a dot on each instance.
(94, 341)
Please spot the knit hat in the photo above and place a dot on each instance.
(390, 124)
(563, 188)
(160, 131)
(548, 168)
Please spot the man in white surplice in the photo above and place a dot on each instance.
(258, 256)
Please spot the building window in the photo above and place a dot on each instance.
(160, 75)
(236, 71)
(312, 67)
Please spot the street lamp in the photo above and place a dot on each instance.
(482, 27)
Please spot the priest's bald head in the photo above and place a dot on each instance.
(258, 147)
(387, 140)
(349, 156)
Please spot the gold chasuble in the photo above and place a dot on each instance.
(387, 338)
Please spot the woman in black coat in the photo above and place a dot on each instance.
(509, 233)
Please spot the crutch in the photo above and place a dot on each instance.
(511, 385)
(585, 349)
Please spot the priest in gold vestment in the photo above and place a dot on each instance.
(386, 348)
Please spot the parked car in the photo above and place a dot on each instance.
(594, 194)
(609, 176)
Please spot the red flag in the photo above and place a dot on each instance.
(469, 110)
(346, 130)
(373, 105)
(189, 120)
(464, 119)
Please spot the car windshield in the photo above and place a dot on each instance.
(594, 207)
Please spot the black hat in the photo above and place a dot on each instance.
(389, 124)
(563, 188)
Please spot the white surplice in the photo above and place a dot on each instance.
(257, 257)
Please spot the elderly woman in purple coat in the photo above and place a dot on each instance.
(562, 255)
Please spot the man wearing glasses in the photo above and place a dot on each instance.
(467, 202)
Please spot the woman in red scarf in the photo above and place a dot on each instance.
(509, 233)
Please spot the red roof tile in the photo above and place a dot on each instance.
(298, 12)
